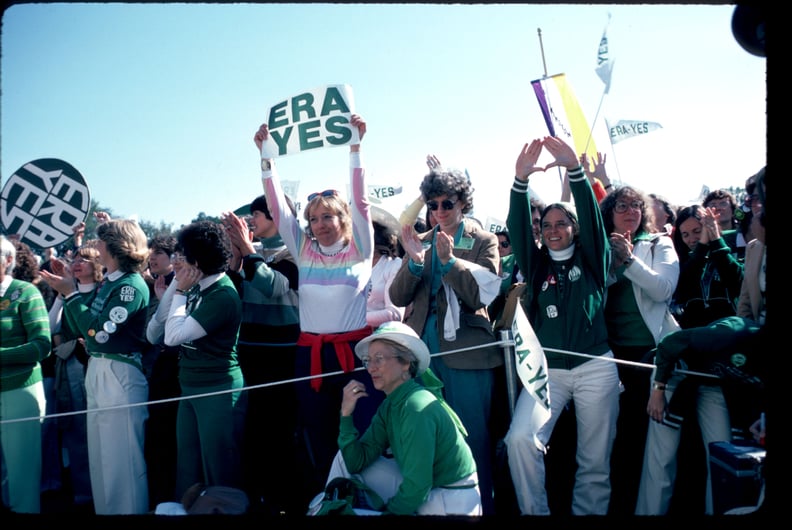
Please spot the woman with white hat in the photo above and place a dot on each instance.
(429, 468)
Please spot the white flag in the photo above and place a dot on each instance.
(624, 129)
(604, 64)
(532, 370)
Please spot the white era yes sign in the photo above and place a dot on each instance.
(311, 120)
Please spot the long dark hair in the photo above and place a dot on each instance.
(684, 213)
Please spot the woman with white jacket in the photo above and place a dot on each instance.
(642, 280)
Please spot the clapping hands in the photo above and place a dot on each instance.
(710, 230)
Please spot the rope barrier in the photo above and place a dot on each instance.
(507, 344)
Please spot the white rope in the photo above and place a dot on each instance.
(502, 343)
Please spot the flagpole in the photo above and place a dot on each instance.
(541, 47)
(591, 130)
(591, 133)
(544, 65)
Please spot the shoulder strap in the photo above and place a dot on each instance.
(513, 297)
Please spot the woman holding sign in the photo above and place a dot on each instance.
(334, 255)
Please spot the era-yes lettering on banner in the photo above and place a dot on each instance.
(315, 119)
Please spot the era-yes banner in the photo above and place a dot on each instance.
(311, 120)
(42, 201)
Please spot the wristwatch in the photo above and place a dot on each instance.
(266, 165)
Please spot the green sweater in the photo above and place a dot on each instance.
(24, 335)
(427, 446)
(267, 285)
(115, 322)
(212, 359)
(564, 301)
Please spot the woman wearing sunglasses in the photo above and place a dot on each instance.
(334, 256)
(451, 278)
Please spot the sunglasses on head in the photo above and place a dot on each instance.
(447, 204)
(325, 193)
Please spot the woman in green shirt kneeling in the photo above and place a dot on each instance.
(413, 454)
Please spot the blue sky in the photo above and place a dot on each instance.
(156, 104)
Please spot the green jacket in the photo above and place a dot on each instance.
(115, 321)
(569, 318)
(427, 445)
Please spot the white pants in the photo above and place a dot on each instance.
(662, 442)
(594, 388)
(384, 477)
(115, 437)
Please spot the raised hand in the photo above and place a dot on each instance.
(261, 135)
(433, 163)
(710, 231)
(599, 165)
(622, 246)
(564, 155)
(160, 287)
(357, 121)
(63, 283)
(526, 160)
(238, 231)
(58, 266)
(445, 246)
(412, 244)
(101, 217)
(187, 276)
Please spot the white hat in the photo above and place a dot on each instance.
(399, 333)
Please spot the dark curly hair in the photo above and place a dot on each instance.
(165, 243)
(385, 241)
(27, 269)
(450, 182)
(722, 194)
(205, 245)
(627, 193)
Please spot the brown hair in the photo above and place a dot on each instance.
(126, 242)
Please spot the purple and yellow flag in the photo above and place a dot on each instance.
(563, 115)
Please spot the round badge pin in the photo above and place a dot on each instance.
(118, 314)
(109, 326)
(102, 337)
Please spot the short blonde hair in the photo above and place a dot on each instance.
(337, 205)
(126, 242)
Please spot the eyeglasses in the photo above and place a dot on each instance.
(720, 205)
(325, 193)
(177, 258)
(622, 207)
(447, 204)
(505, 244)
(377, 361)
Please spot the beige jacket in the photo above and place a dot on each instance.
(750, 302)
(475, 326)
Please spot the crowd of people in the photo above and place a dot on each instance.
(273, 357)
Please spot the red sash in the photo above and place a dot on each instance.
(346, 358)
